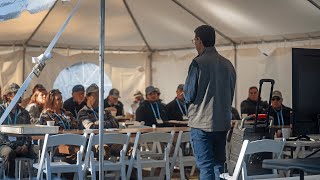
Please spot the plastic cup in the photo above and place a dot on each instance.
(50, 123)
(286, 132)
(154, 126)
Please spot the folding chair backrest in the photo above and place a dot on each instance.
(237, 169)
(112, 138)
(156, 137)
(266, 145)
(259, 146)
(185, 137)
(67, 139)
(51, 141)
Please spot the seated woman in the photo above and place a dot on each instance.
(36, 104)
(53, 111)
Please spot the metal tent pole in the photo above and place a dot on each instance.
(101, 87)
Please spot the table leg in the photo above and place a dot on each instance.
(301, 174)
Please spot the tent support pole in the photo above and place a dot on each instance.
(101, 86)
(23, 61)
(236, 69)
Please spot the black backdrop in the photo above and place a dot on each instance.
(305, 90)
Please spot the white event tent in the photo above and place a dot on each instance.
(149, 41)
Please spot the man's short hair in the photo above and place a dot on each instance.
(253, 87)
(206, 34)
(78, 88)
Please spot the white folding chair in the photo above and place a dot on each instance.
(239, 164)
(143, 159)
(120, 165)
(46, 166)
(265, 145)
(178, 159)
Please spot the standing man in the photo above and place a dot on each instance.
(209, 91)
(76, 102)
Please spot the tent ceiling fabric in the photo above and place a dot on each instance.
(165, 24)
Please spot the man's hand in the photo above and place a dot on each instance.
(111, 109)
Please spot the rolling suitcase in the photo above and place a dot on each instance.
(259, 128)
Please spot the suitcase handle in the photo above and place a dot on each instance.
(259, 95)
(266, 80)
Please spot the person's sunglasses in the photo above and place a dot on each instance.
(275, 99)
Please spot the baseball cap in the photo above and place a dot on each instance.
(151, 89)
(180, 86)
(12, 88)
(92, 88)
(77, 88)
(277, 94)
(137, 94)
(114, 92)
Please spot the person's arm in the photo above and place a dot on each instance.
(140, 114)
(32, 113)
(191, 84)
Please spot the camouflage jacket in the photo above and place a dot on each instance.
(89, 119)
(65, 120)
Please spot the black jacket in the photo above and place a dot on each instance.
(174, 112)
(286, 113)
(22, 118)
(249, 107)
(73, 107)
(118, 106)
(145, 113)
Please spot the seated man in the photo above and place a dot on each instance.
(177, 109)
(112, 102)
(280, 113)
(151, 111)
(89, 114)
(10, 146)
(249, 105)
(138, 99)
(76, 102)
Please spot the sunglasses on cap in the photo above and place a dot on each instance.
(275, 99)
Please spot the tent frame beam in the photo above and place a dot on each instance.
(137, 26)
(39, 25)
(203, 21)
(169, 49)
(314, 4)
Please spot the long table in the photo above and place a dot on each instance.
(311, 165)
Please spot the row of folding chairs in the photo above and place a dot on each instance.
(149, 150)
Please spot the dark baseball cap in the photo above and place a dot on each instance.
(77, 88)
(12, 88)
(92, 88)
(114, 92)
(151, 89)
(180, 86)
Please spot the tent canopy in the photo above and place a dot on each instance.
(143, 25)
